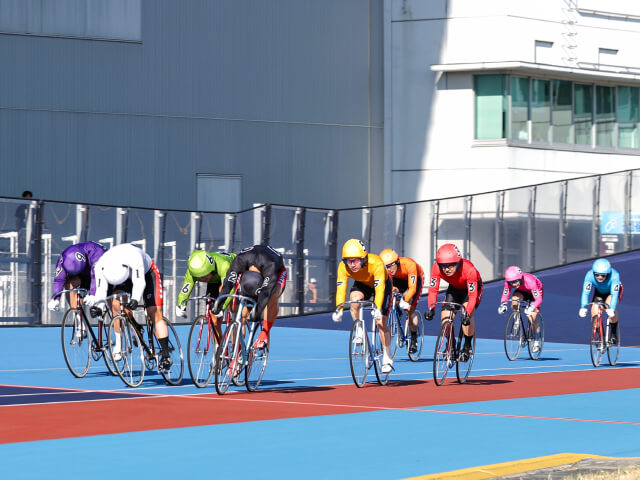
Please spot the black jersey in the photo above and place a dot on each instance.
(265, 259)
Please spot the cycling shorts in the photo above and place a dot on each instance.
(370, 293)
(456, 295)
(152, 294)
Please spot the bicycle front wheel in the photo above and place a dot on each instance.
(172, 375)
(383, 378)
(444, 353)
(415, 356)
(108, 361)
(463, 369)
(256, 361)
(358, 353)
(536, 335)
(393, 321)
(513, 335)
(125, 348)
(613, 351)
(76, 343)
(228, 358)
(201, 351)
(597, 342)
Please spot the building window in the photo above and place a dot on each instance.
(583, 113)
(562, 116)
(519, 109)
(605, 116)
(540, 110)
(628, 117)
(490, 106)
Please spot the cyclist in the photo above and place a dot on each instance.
(408, 278)
(75, 269)
(126, 268)
(208, 267)
(528, 288)
(371, 279)
(608, 289)
(266, 261)
(465, 288)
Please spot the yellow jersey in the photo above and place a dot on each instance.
(374, 274)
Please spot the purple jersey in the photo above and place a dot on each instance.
(77, 259)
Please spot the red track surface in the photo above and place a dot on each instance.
(65, 420)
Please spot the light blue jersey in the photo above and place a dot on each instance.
(610, 286)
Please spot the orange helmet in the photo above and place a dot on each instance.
(388, 256)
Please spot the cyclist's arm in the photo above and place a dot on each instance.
(412, 282)
(506, 291)
(434, 285)
(380, 276)
(472, 288)
(137, 278)
(615, 289)
(59, 279)
(586, 290)
(187, 287)
(531, 283)
(270, 276)
(341, 284)
(101, 283)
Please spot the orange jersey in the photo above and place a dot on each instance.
(409, 271)
(374, 274)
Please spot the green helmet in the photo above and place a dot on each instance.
(200, 264)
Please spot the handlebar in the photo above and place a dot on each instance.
(81, 291)
(456, 306)
(250, 302)
(364, 303)
(111, 297)
(602, 305)
(202, 297)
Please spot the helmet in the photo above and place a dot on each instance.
(74, 262)
(250, 283)
(200, 264)
(448, 253)
(601, 266)
(354, 248)
(513, 273)
(115, 274)
(388, 256)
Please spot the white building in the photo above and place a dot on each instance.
(486, 95)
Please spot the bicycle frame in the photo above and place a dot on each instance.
(443, 359)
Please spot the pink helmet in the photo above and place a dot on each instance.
(512, 273)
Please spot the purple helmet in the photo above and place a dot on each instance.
(74, 262)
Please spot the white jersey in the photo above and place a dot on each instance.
(130, 256)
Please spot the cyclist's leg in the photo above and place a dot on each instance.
(213, 291)
(383, 328)
(74, 281)
(613, 321)
(271, 309)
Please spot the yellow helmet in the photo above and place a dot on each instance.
(354, 248)
(388, 256)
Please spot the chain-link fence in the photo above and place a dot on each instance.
(536, 227)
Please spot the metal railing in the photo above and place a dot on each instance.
(536, 227)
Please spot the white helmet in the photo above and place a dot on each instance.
(115, 274)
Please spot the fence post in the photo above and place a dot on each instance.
(266, 231)
(595, 232)
(468, 205)
(401, 212)
(627, 211)
(531, 228)
(332, 243)
(366, 227)
(563, 224)
(435, 213)
(498, 264)
(299, 242)
(36, 265)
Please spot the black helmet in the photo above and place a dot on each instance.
(250, 283)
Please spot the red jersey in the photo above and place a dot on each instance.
(465, 278)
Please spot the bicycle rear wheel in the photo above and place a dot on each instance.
(383, 378)
(613, 351)
(597, 342)
(536, 336)
(76, 343)
(358, 353)
(393, 321)
(129, 359)
(172, 375)
(414, 357)
(463, 369)
(443, 354)
(513, 332)
(228, 358)
(201, 352)
(256, 361)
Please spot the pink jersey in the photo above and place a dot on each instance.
(530, 284)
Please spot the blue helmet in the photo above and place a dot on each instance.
(601, 267)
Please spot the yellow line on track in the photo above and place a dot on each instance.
(512, 468)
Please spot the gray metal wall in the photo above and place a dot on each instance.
(286, 93)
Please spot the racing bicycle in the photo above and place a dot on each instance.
(520, 331)
(601, 337)
(448, 348)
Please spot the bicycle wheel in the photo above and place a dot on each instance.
(172, 375)
(106, 355)
(256, 360)
(597, 342)
(239, 376)
(414, 357)
(201, 352)
(513, 333)
(463, 369)
(383, 378)
(228, 358)
(536, 336)
(613, 350)
(393, 321)
(443, 354)
(76, 343)
(359, 353)
(129, 358)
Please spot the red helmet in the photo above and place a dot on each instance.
(448, 253)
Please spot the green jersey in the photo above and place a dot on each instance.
(222, 262)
